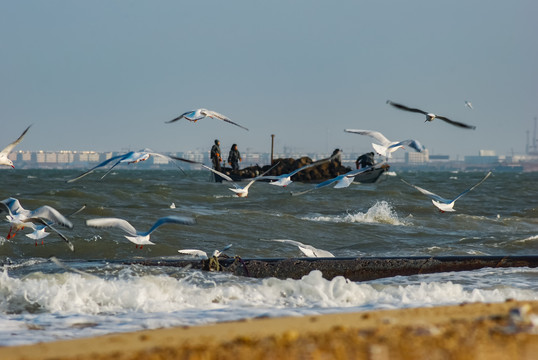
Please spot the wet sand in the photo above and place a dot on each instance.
(469, 331)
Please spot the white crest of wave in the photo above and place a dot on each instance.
(78, 294)
(381, 212)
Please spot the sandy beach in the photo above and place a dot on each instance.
(469, 331)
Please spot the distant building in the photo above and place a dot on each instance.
(416, 158)
(484, 157)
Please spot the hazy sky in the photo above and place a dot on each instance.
(106, 75)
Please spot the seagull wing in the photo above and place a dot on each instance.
(315, 163)
(10, 147)
(405, 108)
(11, 205)
(122, 159)
(181, 116)
(224, 176)
(51, 214)
(456, 123)
(472, 187)
(320, 185)
(374, 134)
(258, 177)
(112, 222)
(215, 114)
(429, 193)
(169, 220)
(104, 163)
(168, 158)
(414, 144)
(47, 225)
(184, 160)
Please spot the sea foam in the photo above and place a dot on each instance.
(381, 212)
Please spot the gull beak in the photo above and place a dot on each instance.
(13, 166)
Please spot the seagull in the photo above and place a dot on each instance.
(202, 254)
(5, 152)
(238, 190)
(198, 114)
(308, 250)
(46, 216)
(445, 204)
(342, 181)
(469, 105)
(387, 147)
(430, 116)
(39, 229)
(132, 157)
(285, 179)
(139, 237)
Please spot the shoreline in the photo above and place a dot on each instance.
(466, 331)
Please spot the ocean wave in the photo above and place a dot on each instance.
(381, 212)
(129, 299)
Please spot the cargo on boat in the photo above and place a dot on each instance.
(324, 171)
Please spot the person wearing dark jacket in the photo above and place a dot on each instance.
(234, 157)
(365, 160)
(215, 155)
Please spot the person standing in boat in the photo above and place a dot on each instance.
(234, 157)
(215, 155)
(365, 160)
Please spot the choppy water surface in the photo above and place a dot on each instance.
(41, 301)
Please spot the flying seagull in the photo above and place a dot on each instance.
(285, 179)
(46, 216)
(198, 114)
(238, 190)
(202, 254)
(5, 152)
(445, 204)
(134, 236)
(342, 181)
(430, 116)
(132, 157)
(469, 105)
(387, 147)
(39, 228)
(308, 250)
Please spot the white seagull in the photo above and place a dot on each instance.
(387, 147)
(308, 250)
(132, 157)
(5, 152)
(342, 181)
(445, 204)
(285, 179)
(238, 190)
(468, 104)
(39, 229)
(430, 116)
(45, 216)
(198, 114)
(134, 236)
(202, 254)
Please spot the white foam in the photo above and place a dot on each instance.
(130, 301)
(381, 212)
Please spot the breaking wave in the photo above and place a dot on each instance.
(380, 213)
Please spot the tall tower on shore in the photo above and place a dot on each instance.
(532, 149)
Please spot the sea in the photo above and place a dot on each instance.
(48, 292)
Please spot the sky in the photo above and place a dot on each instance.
(106, 75)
